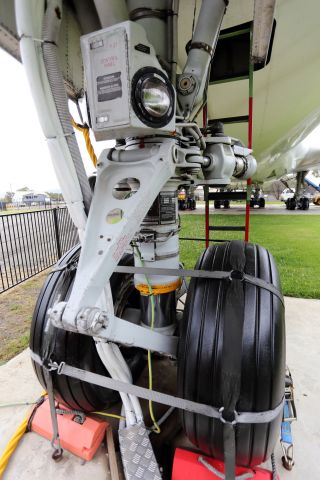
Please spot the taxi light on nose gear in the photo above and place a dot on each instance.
(152, 97)
(128, 92)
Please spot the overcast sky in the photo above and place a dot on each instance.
(25, 159)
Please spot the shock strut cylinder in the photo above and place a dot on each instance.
(158, 247)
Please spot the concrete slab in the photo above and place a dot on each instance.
(32, 459)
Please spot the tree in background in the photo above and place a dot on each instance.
(8, 197)
(277, 188)
(56, 197)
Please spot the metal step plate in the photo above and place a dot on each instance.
(137, 454)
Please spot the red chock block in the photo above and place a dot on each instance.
(186, 465)
(82, 440)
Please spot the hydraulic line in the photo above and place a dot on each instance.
(29, 20)
(51, 28)
(124, 374)
(109, 360)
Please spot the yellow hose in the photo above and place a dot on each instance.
(12, 444)
(15, 439)
(86, 134)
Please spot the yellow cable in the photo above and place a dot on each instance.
(86, 134)
(155, 427)
(12, 444)
(113, 415)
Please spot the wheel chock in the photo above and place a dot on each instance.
(195, 465)
(81, 439)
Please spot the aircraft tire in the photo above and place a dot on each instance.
(201, 347)
(76, 349)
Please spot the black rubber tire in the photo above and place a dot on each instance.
(217, 204)
(262, 203)
(291, 204)
(263, 354)
(226, 204)
(305, 203)
(76, 349)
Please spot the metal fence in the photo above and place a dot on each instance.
(33, 241)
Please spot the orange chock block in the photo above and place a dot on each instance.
(82, 440)
(186, 465)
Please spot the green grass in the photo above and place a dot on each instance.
(12, 348)
(292, 240)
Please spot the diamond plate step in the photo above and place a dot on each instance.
(137, 454)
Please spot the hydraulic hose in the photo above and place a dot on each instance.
(108, 361)
(126, 374)
(29, 19)
(51, 29)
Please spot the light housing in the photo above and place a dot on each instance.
(152, 97)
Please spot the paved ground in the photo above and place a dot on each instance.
(270, 209)
(32, 457)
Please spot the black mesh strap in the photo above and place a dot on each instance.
(159, 397)
(232, 354)
(215, 275)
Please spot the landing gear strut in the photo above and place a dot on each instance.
(299, 200)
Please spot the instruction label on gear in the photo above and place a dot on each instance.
(109, 87)
(163, 210)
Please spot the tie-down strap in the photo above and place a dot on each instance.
(215, 275)
(158, 397)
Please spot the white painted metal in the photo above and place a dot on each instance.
(111, 12)
(111, 54)
(262, 28)
(285, 92)
(104, 243)
(298, 150)
(163, 252)
(29, 23)
(206, 33)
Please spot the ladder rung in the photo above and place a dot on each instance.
(228, 120)
(229, 229)
(227, 195)
(203, 239)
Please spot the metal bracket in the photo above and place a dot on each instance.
(107, 327)
(113, 222)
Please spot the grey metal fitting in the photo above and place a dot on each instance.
(186, 84)
(55, 314)
(220, 161)
(90, 320)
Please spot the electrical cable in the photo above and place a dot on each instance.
(18, 434)
(12, 444)
(17, 404)
(156, 427)
(112, 415)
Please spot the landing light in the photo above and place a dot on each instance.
(152, 97)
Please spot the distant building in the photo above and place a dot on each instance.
(29, 198)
